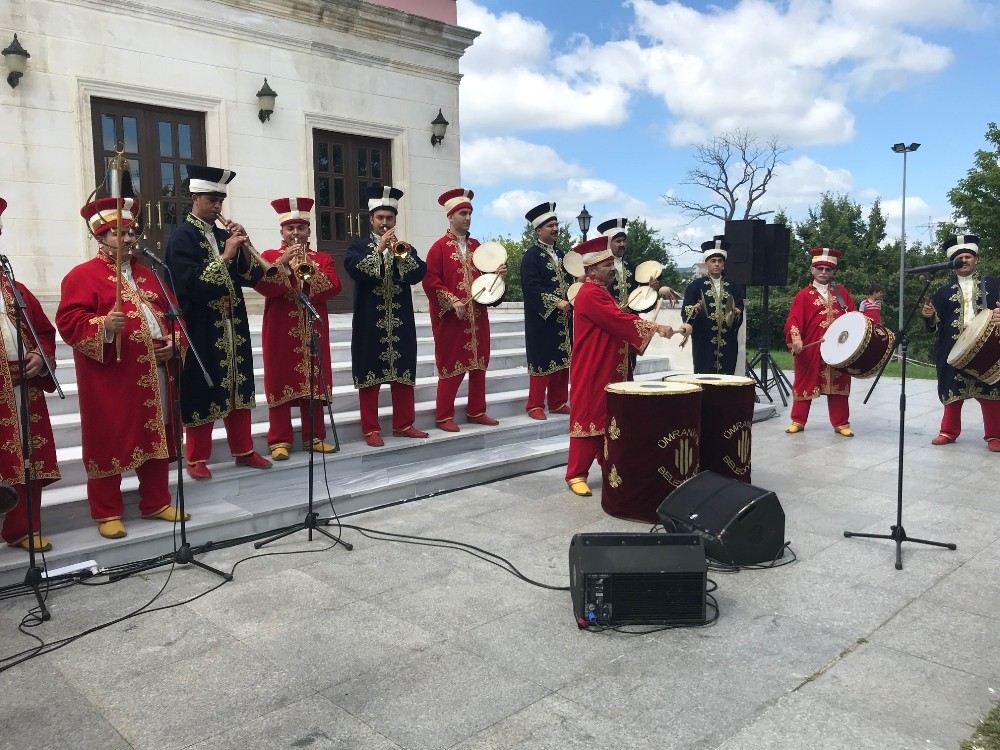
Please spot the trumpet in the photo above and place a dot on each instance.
(271, 270)
(396, 246)
(304, 268)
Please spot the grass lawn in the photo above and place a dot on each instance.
(921, 372)
(987, 736)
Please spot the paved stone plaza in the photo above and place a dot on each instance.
(399, 646)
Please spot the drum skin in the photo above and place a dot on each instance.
(650, 445)
(726, 421)
(857, 344)
(977, 351)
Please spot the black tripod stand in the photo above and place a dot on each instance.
(765, 360)
(33, 577)
(184, 554)
(897, 532)
(312, 520)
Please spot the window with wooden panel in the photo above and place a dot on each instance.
(159, 143)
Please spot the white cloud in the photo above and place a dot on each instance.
(799, 183)
(492, 160)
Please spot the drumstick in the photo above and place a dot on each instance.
(813, 343)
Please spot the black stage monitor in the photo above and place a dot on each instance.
(637, 579)
(741, 524)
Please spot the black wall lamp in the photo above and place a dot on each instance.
(16, 58)
(439, 126)
(265, 102)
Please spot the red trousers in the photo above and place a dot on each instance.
(279, 430)
(403, 407)
(448, 388)
(582, 452)
(105, 494)
(838, 406)
(557, 384)
(15, 523)
(199, 439)
(951, 422)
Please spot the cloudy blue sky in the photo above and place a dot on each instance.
(601, 102)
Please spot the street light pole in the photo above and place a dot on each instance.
(902, 148)
(583, 221)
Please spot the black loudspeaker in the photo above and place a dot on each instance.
(758, 253)
(637, 579)
(740, 524)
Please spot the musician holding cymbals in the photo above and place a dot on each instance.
(210, 266)
(953, 309)
(288, 326)
(812, 311)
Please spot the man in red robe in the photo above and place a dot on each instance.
(15, 529)
(287, 332)
(603, 337)
(460, 324)
(812, 312)
(126, 415)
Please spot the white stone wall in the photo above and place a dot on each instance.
(348, 66)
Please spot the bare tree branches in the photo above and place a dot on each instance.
(735, 168)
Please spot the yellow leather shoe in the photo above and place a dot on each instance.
(579, 487)
(793, 428)
(279, 453)
(41, 543)
(844, 430)
(170, 513)
(321, 446)
(113, 529)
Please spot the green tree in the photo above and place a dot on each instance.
(976, 200)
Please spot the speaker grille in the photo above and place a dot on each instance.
(641, 597)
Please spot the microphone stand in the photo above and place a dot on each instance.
(184, 554)
(897, 532)
(312, 522)
(33, 577)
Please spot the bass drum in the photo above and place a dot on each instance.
(650, 445)
(857, 344)
(977, 351)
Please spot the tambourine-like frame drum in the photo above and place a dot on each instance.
(489, 256)
(488, 288)
(977, 351)
(857, 344)
(574, 289)
(648, 270)
(650, 445)
(642, 299)
(726, 421)
(573, 263)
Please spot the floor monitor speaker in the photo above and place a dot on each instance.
(740, 524)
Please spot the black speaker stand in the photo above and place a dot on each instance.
(897, 532)
(763, 358)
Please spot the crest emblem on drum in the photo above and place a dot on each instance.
(614, 432)
(614, 478)
(684, 456)
(844, 335)
(743, 446)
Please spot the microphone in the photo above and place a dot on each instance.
(948, 264)
(3, 260)
(150, 256)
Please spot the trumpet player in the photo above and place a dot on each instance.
(713, 313)
(125, 406)
(289, 328)
(383, 332)
(210, 266)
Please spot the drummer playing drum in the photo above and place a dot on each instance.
(952, 308)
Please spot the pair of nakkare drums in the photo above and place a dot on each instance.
(977, 351)
(651, 445)
(857, 344)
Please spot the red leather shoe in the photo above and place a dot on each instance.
(374, 439)
(564, 409)
(199, 470)
(485, 419)
(993, 444)
(253, 460)
(537, 413)
(410, 432)
(943, 439)
(448, 425)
